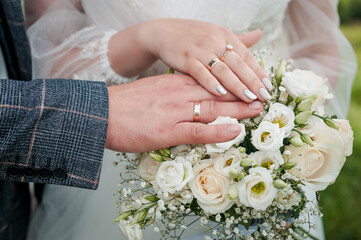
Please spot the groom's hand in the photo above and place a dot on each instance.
(157, 112)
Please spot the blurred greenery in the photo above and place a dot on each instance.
(341, 202)
(349, 11)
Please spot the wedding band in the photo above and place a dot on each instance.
(212, 63)
(229, 48)
(196, 112)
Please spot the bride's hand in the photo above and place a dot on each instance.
(191, 47)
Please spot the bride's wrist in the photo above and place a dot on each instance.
(127, 54)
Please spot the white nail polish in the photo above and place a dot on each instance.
(267, 83)
(249, 94)
(221, 90)
(264, 94)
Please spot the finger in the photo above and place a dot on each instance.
(198, 133)
(210, 110)
(250, 38)
(244, 53)
(232, 82)
(247, 75)
(206, 79)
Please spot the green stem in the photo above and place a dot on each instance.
(316, 115)
(295, 130)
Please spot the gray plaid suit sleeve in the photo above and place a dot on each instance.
(53, 131)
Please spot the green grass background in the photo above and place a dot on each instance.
(341, 202)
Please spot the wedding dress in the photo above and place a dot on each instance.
(295, 28)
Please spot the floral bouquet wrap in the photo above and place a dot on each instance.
(252, 187)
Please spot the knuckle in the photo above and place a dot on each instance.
(196, 133)
(208, 81)
(246, 56)
(222, 68)
(212, 109)
(239, 62)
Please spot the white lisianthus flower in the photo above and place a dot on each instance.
(302, 83)
(283, 116)
(172, 176)
(227, 161)
(268, 136)
(190, 154)
(256, 190)
(267, 158)
(210, 187)
(222, 147)
(346, 134)
(148, 167)
(131, 231)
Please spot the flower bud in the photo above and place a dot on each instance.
(279, 184)
(331, 123)
(262, 64)
(246, 162)
(233, 174)
(151, 198)
(157, 157)
(306, 139)
(289, 165)
(233, 191)
(297, 142)
(280, 71)
(140, 215)
(241, 176)
(165, 152)
(305, 105)
(242, 150)
(298, 100)
(124, 215)
(302, 117)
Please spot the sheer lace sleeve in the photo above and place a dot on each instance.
(316, 43)
(65, 43)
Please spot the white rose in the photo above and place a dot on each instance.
(210, 187)
(302, 83)
(346, 134)
(221, 147)
(268, 136)
(256, 190)
(148, 167)
(283, 116)
(131, 232)
(268, 158)
(172, 176)
(230, 160)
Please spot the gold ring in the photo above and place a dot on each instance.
(212, 63)
(229, 48)
(197, 111)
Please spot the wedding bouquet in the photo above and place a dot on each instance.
(252, 187)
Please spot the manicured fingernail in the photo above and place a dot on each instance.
(267, 83)
(233, 128)
(264, 94)
(255, 105)
(221, 90)
(249, 94)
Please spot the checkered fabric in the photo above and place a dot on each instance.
(51, 130)
(53, 124)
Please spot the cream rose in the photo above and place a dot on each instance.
(172, 176)
(268, 136)
(210, 187)
(283, 116)
(268, 158)
(318, 166)
(346, 134)
(222, 147)
(302, 83)
(230, 160)
(148, 167)
(256, 190)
